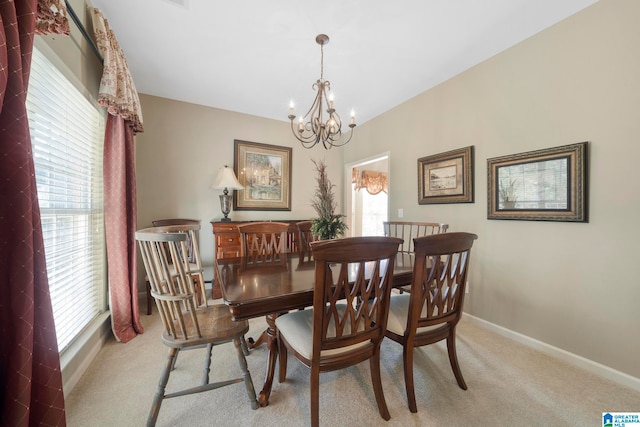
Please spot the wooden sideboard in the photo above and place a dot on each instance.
(226, 241)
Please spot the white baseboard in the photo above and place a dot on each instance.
(579, 361)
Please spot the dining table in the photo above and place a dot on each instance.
(273, 288)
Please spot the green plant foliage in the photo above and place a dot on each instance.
(328, 227)
(328, 224)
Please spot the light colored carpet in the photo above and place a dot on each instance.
(508, 384)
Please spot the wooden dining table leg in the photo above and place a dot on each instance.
(272, 356)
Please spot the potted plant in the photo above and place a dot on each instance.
(508, 194)
(328, 224)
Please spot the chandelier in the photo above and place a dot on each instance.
(312, 128)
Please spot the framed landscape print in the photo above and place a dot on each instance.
(542, 185)
(446, 177)
(265, 172)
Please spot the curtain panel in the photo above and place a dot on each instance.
(118, 94)
(30, 377)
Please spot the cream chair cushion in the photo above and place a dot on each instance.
(398, 313)
(297, 328)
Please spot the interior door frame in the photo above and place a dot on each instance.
(348, 202)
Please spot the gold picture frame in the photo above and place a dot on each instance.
(541, 185)
(446, 177)
(265, 172)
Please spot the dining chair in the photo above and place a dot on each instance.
(187, 323)
(408, 230)
(353, 279)
(262, 242)
(191, 228)
(305, 237)
(431, 311)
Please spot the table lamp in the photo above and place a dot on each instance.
(226, 180)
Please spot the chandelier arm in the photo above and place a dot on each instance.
(308, 141)
(337, 122)
(340, 144)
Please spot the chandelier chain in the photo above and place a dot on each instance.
(321, 62)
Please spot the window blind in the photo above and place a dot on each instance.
(67, 135)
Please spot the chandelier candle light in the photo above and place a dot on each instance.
(312, 128)
(226, 180)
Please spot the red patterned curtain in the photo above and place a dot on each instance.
(118, 94)
(30, 378)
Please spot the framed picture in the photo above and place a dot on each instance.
(542, 185)
(265, 172)
(446, 177)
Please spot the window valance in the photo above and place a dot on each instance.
(373, 182)
(117, 92)
(51, 17)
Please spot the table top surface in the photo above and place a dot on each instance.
(252, 290)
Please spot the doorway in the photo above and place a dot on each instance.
(367, 206)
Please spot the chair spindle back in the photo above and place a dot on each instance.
(263, 241)
(408, 230)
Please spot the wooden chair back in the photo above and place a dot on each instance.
(347, 313)
(408, 230)
(305, 237)
(437, 293)
(182, 221)
(263, 241)
(174, 221)
(193, 266)
(164, 255)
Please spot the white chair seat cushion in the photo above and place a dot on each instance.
(297, 328)
(398, 313)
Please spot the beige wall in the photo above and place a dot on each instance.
(573, 286)
(184, 145)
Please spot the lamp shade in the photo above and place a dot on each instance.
(226, 179)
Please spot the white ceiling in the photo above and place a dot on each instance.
(254, 56)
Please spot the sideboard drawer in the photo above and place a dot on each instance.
(228, 239)
(225, 228)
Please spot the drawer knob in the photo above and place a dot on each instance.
(231, 240)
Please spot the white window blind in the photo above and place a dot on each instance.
(67, 134)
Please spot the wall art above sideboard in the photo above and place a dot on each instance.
(265, 173)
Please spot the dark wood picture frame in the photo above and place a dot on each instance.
(265, 172)
(541, 185)
(446, 177)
